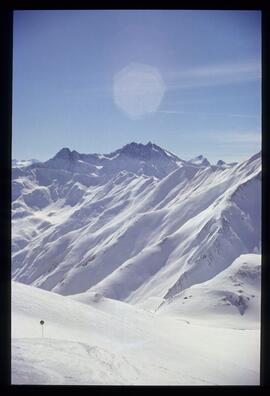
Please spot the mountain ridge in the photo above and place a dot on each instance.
(133, 150)
(130, 234)
(138, 158)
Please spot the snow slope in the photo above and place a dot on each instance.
(137, 225)
(231, 298)
(93, 340)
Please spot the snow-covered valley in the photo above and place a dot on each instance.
(150, 267)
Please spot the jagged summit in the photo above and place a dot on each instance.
(220, 162)
(223, 164)
(145, 151)
(66, 154)
(200, 160)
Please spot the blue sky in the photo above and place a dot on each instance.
(199, 88)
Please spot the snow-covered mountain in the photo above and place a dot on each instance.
(138, 225)
(149, 159)
(220, 300)
(144, 258)
(224, 164)
(200, 160)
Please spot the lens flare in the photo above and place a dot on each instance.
(138, 90)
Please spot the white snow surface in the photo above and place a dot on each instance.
(89, 339)
(232, 298)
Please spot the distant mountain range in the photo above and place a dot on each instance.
(19, 163)
(149, 153)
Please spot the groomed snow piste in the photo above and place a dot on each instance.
(103, 341)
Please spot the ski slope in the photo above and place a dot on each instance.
(89, 339)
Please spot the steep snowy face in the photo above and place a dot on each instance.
(135, 225)
(233, 293)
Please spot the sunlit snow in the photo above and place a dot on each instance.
(102, 341)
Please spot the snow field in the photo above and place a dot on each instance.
(101, 341)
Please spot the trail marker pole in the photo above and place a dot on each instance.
(42, 328)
